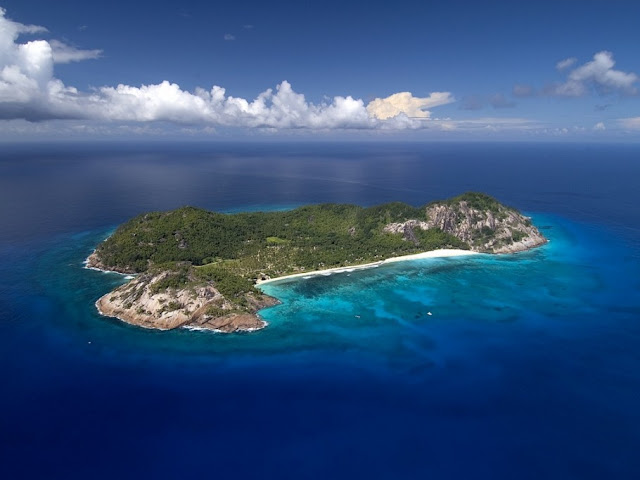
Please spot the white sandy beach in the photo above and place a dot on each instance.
(440, 253)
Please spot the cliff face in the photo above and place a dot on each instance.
(498, 229)
(139, 303)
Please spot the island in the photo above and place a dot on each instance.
(200, 269)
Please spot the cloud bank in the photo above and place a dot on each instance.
(30, 91)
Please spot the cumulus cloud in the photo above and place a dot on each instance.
(282, 108)
(29, 91)
(404, 103)
(631, 123)
(599, 126)
(599, 74)
(27, 86)
(229, 37)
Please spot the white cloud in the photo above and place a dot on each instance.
(566, 63)
(228, 37)
(63, 53)
(631, 123)
(14, 28)
(283, 108)
(29, 90)
(599, 74)
(405, 103)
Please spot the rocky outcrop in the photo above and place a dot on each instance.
(406, 229)
(496, 230)
(203, 306)
(94, 261)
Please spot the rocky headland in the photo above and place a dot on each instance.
(141, 302)
(497, 230)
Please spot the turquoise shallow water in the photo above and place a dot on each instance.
(385, 311)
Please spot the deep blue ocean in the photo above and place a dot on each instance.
(528, 367)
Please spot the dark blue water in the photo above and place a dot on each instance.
(528, 367)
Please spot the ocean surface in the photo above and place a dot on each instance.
(496, 367)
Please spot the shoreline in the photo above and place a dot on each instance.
(195, 328)
(439, 253)
(86, 264)
(130, 318)
(234, 323)
(127, 276)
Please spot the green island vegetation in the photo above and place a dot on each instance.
(477, 201)
(196, 247)
(275, 243)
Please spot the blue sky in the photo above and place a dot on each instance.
(407, 70)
